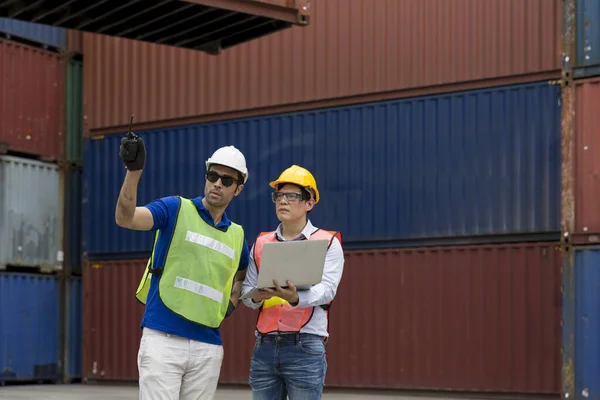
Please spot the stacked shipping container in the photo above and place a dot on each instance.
(587, 122)
(587, 328)
(40, 204)
(354, 51)
(45, 36)
(485, 195)
(30, 327)
(493, 168)
(472, 317)
(31, 228)
(461, 149)
(31, 100)
(581, 219)
(587, 53)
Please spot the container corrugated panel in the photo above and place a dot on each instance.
(587, 326)
(111, 320)
(31, 100)
(237, 333)
(483, 162)
(351, 48)
(75, 329)
(474, 318)
(588, 37)
(74, 108)
(29, 327)
(29, 213)
(112, 325)
(45, 35)
(73, 210)
(587, 145)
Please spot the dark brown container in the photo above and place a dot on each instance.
(352, 51)
(32, 117)
(75, 41)
(473, 318)
(587, 153)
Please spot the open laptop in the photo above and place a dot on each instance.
(299, 261)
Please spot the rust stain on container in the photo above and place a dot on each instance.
(587, 150)
(568, 198)
(352, 48)
(32, 85)
(473, 318)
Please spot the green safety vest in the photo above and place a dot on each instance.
(196, 279)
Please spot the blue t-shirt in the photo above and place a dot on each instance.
(157, 315)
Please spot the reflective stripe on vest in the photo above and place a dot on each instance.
(201, 262)
(276, 314)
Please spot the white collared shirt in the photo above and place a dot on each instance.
(317, 295)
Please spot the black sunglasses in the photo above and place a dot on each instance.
(226, 180)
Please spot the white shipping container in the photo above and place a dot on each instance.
(30, 213)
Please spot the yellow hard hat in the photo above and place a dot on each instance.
(299, 176)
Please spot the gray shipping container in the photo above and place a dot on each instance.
(29, 214)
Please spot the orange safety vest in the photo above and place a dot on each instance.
(276, 314)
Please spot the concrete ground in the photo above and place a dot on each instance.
(102, 392)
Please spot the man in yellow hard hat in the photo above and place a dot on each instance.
(291, 330)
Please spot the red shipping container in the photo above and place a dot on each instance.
(353, 51)
(587, 164)
(32, 84)
(111, 325)
(473, 318)
(111, 319)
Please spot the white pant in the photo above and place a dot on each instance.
(172, 367)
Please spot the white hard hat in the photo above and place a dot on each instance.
(230, 157)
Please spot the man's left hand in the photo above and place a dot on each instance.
(288, 294)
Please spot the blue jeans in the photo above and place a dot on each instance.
(291, 365)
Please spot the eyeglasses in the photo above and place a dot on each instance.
(291, 197)
(226, 180)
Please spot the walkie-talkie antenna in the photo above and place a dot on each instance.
(129, 134)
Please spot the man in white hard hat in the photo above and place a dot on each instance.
(193, 278)
(292, 326)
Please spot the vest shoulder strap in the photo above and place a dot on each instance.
(236, 228)
(258, 240)
(334, 234)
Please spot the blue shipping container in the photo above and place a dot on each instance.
(587, 322)
(588, 38)
(478, 162)
(45, 35)
(73, 224)
(75, 330)
(29, 327)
